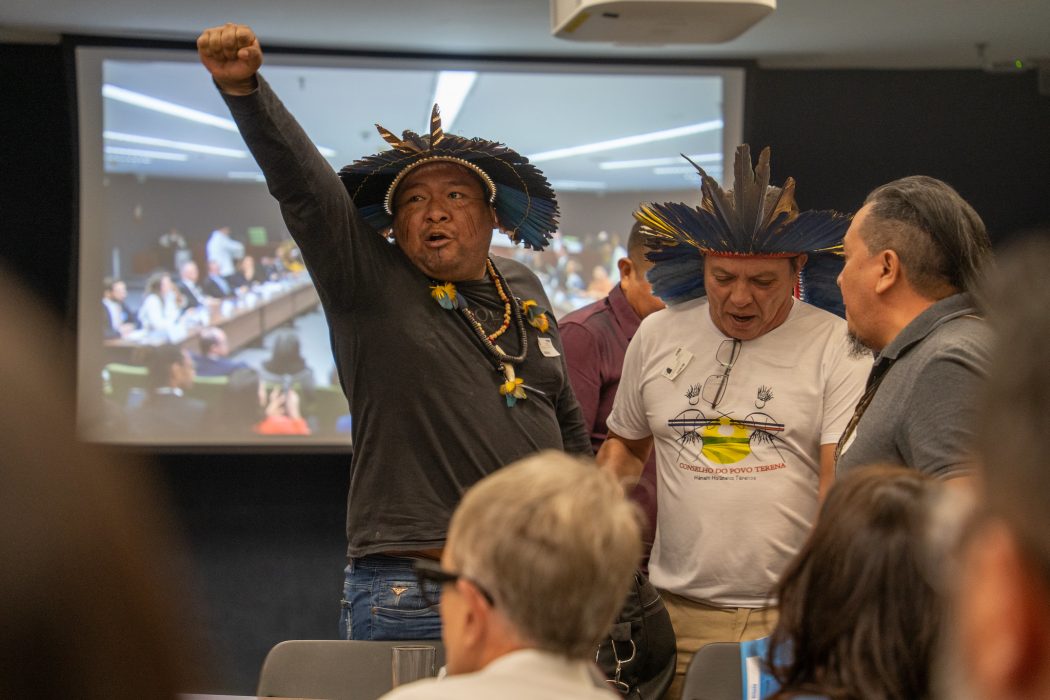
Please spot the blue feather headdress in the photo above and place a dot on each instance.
(755, 221)
(519, 192)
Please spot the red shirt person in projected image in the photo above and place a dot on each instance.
(449, 360)
(250, 407)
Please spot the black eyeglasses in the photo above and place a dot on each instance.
(715, 386)
(430, 572)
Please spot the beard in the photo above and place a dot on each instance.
(857, 347)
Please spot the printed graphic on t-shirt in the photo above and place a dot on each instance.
(720, 445)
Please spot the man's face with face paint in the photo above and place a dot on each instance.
(443, 221)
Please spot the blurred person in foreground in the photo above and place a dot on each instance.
(449, 360)
(91, 605)
(1000, 645)
(537, 563)
(595, 339)
(916, 253)
(861, 613)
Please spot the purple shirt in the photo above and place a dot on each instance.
(595, 340)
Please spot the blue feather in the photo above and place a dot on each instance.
(678, 274)
(819, 286)
(376, 216)
(530, 218)
(680, 235)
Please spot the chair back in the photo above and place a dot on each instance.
(714, 673)
(122, 379)
(332, 669)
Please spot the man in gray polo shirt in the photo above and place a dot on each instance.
(915, 253)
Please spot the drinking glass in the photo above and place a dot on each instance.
(410, 663)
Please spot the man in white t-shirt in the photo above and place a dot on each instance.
(743, 390)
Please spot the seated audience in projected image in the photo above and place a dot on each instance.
(249, 406)
(270, 269)
(213, 360)
(91, 605)
(245, 277)
(862, 605)
(286, 365)
(998, 647)
(117, 319)
(166, 411)
(159, 314)
(215, 284)
(189, 286)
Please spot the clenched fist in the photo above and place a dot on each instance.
(232, 55)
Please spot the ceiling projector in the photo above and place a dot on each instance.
(656, 21)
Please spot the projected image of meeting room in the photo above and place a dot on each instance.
(197, 320)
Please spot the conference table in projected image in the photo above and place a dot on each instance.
(244, 321)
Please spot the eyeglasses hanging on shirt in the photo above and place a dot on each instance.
(715, 386)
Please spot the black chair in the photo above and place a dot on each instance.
(714, 673)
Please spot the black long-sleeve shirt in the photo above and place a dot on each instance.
(429, 420)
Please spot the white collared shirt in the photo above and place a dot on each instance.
(527, 674)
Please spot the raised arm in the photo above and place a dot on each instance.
(232, 55)
(346, 257)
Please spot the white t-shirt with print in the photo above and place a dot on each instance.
(737, 485)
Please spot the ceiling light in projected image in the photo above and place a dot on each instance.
(583, 129)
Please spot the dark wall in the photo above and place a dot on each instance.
(842, 133)
(266, 530)
(37, 170)
(266, 534)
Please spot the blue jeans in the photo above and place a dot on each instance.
(381, 600)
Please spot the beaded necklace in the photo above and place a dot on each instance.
(448, 297)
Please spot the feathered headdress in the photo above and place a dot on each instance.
(755, 221)
(521, 195)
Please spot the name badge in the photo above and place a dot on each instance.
(547, 348)
(678, 363)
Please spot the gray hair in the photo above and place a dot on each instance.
(941, 241)
(555, 543)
